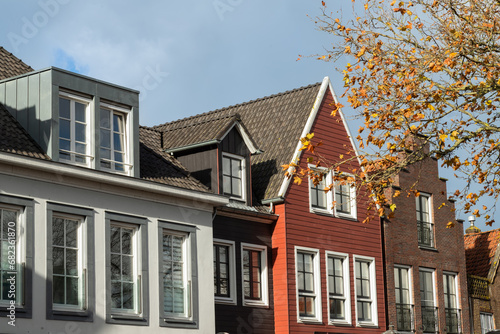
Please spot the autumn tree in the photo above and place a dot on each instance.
(427, 69)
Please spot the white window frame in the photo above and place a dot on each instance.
(264, 301)
(243, 176)
(410, 295)
(187, 272)
(232, 299)
(328, 195)
(89, 121)
(317, 285)
(126, 140)
(457, 299)
(434, 296)
(136, 268)
(430, 222)
(82, 260)
(19, 249)
(347, 287)
(486, 317)
(352, 200)
(373, 291)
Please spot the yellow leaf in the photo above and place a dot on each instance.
(297, 180)
(431, 107)
(392, 207)
(443, 137)
(361, 52)
(450, 225)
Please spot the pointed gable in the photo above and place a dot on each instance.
(482, 252)
(274, 122)
(11, 66)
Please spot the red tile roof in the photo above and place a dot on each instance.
(480, 250)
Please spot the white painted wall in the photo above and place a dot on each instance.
(194, 213)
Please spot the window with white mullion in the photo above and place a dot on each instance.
(124, 271)
(73, 130)
(343, 198)
(404, 309)
(318, 194)
(338, 287)
(424, 222)
(112, 140)
(366, 291)
(175, 283)
(487, 323)
(67, 271)
(222, 279)
(306, 284)
(428, 301)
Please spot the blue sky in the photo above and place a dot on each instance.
(186, 57)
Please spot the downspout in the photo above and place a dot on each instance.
(382, 229)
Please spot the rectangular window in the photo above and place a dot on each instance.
(70, 287)
(338, 288)
(123, 264)
(178, 282)
(318, 196)
(233, 176)
(345, 200)
(308, 285)
(16, 255)
(224, 272)
(487, 323)
(452, 310)
(176, 285)
(113, 138)
(74, 129)
(424, 224)
(254, 274)
(126, 269)
(404, 307)
(366, 296)
(428, 297)
(67, 263)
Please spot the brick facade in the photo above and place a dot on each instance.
(445, 255)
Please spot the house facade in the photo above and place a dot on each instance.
(426, 278)
(286, 259)
(100, 232)
(482, 255)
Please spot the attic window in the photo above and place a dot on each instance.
(233, 175)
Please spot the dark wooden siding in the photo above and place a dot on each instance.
(327, 233)
(203, 165)
(238, 318)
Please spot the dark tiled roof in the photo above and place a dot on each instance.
(159, 166)
(275, 124)
(11, 66)
(480, 250)
(15, 139)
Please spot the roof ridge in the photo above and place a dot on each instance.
(199, 122)
(238, 105)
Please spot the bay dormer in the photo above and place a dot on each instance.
(76, 119)
(216, 151)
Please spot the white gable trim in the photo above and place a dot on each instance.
(326, 84)
(246, 137)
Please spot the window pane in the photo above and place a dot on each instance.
(118, 142)
(226, 184)
(105, 138)
(64, 110)
(58, 232)
(128, 296)
(80, 130)
(71, 233)
(58, 288)
(337, 309)
(226, 166)
(127, 241)
(236, 188)
(116, 294)
(64, 129)
(115, 239)
(71, 291)
(71, 262)
(236, 168)
(127, 268)
(80, 112)
(115, 267)
(118, 123)
(105, 121)
(58, 261)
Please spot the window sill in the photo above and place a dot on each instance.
(255, 303)
(127, 319)
(346, 217)
(313, 321)
(178, 323)
(429, 248)
(225, 301)
(321, 212)
(367, 325)
(340, 323)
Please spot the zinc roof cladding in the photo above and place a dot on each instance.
(480, 250)
(15, 139)
(158, 166)
(275, 123)
(11, 66)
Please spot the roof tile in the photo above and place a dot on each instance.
(480, 249)
(11, 66)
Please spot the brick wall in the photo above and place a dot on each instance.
(401, 244)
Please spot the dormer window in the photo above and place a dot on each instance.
(113, 138)
(233, 176)
(74, 129)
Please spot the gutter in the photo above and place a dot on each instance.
(188, 147)
(110, 178)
